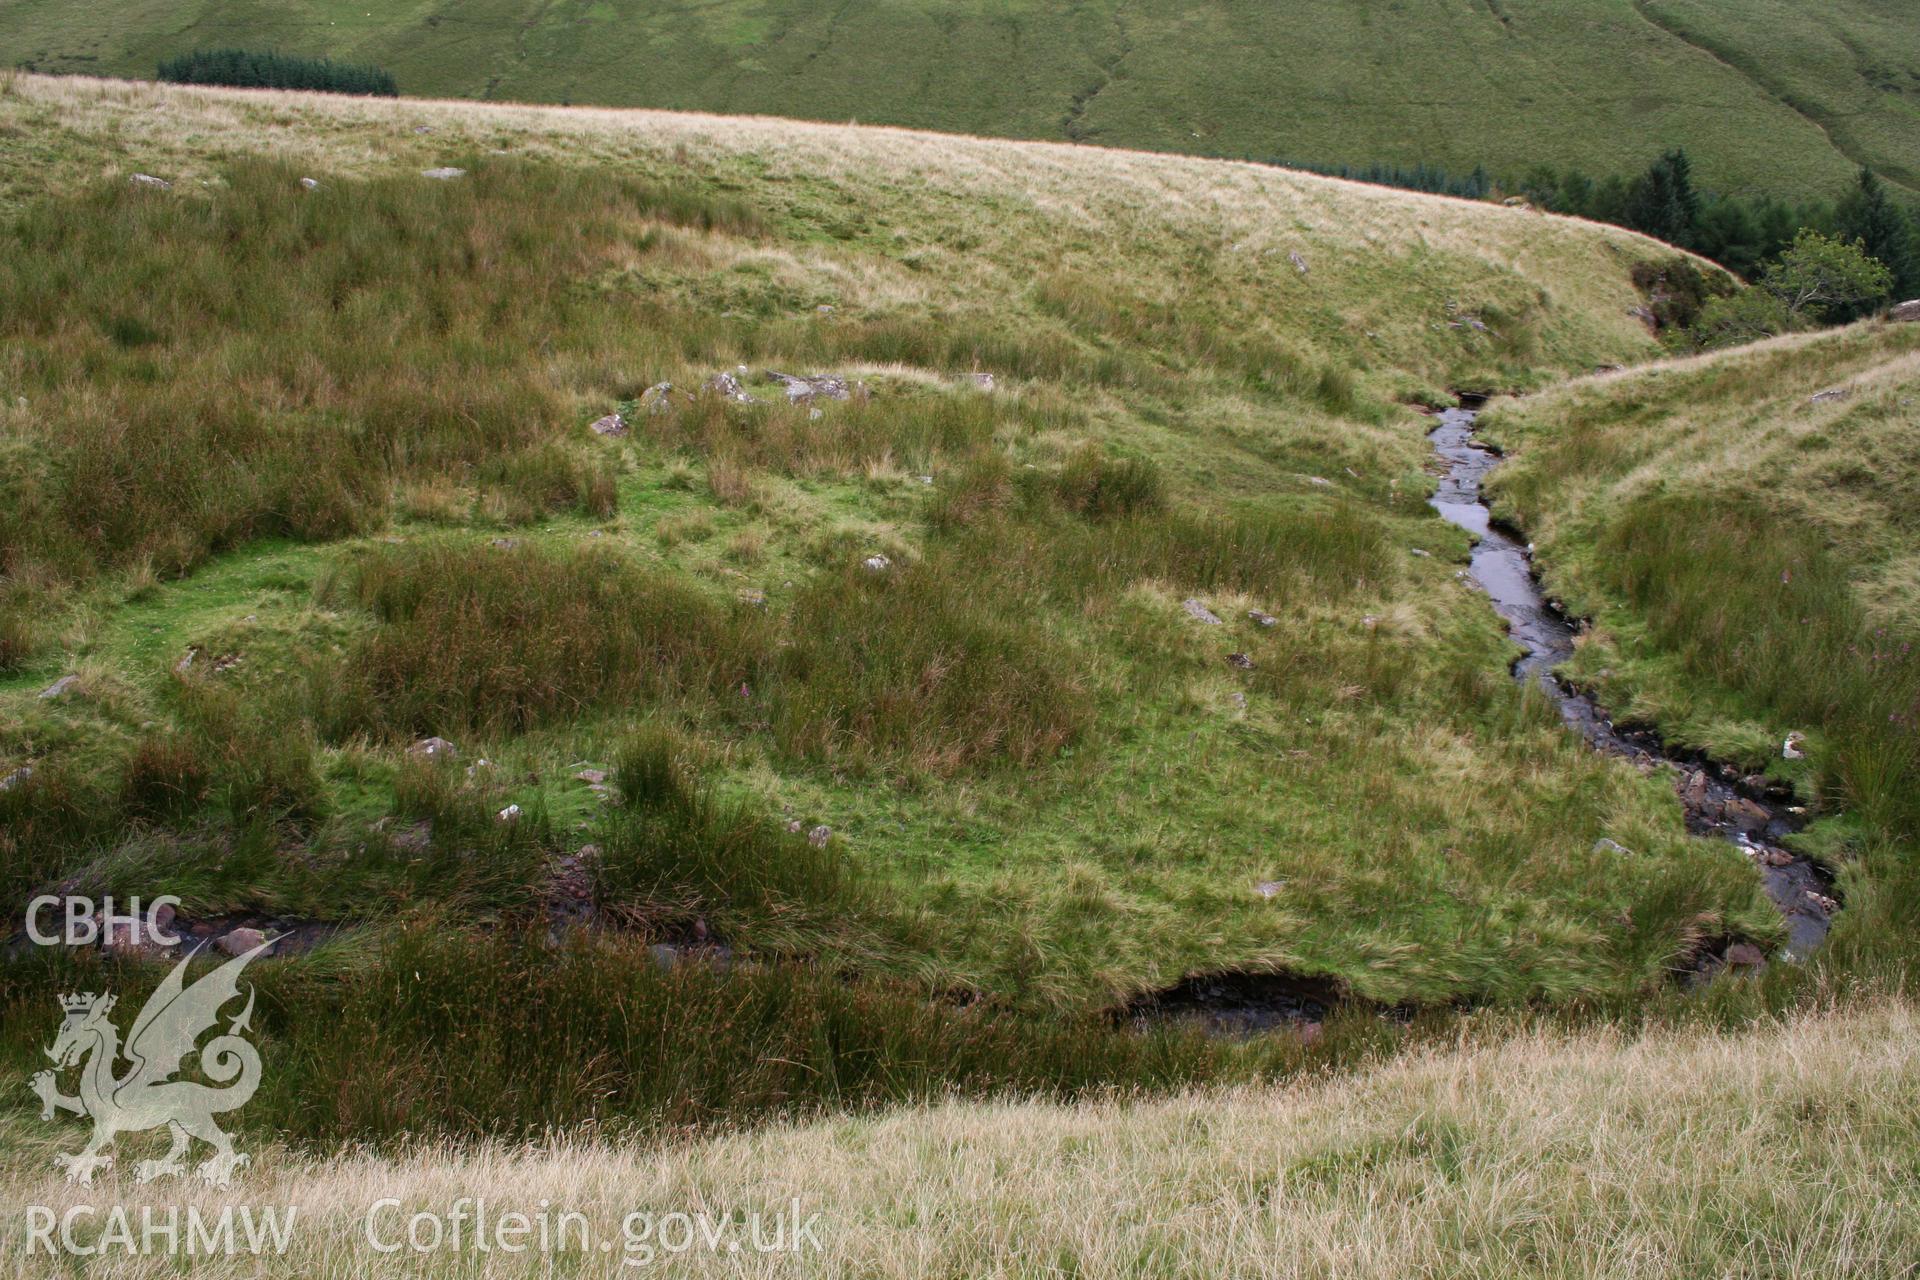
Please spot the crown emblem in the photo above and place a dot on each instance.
(85, 1002)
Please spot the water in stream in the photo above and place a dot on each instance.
(1716, 799)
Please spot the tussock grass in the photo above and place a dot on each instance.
(261, 360)
(491, 640)
(929, 664)
(1779, 1149)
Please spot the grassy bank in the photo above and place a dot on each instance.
(1777, 96)
(1783, 1150)
(1739, 528)
(296, 475)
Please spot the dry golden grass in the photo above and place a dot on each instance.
(1785, 1150)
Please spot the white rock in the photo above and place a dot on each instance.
(148, 180)
(59, 687)
(1794, 747)
(509, 814)
(1200, 613)
(444, 173)
(876, 564)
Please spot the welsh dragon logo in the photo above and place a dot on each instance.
(145, 1095)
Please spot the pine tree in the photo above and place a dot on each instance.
(1663, 203)
(1870, 216)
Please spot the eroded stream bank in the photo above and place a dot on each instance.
(1717, 800)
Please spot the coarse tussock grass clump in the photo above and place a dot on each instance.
(928, 664)
(261, 360)
(474, 638)
(1100, 486)
(673, 854)
(365, 1043)
(1478, 1157)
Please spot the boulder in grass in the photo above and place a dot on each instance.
(1906, 312)
(443, 174)
(433, 749)
(611, 425)
(150, 182)
(1200, 613)
(238, 942)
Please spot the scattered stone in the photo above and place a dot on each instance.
(611, 425)
(149, 181)
(1906, 312)
(423, 128)
(1200, 613)
(309, 184)
(1776, 857)
(592, 775)
(1693, 791)
(479, 766)
(1238, 698)
(1822, 901)
(657, 399)
(728, 387)
(825, 309)
(795, 827)
(1269, 888)
(819, 836)
(1794, 748)
(1745, 955)
(1746, 814)
(1370, 622)
(1421, 552)
(509, 814)
(225, 663)
(1299, 263)
(240, 941)
(434, 748)
(876, 564)
(17, 778)
(1606, 844)
(754, 597)
(803, 390)
(1320, 481)
(926, 479)
(59, 688)
(443, 174)
(1827, 397)
(1240, 662)
(1264, 619)
(981, 381)
(664, 956)
(185, 664)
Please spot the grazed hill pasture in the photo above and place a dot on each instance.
(1785, 96)
(295, 477)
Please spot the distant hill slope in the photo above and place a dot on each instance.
(1768, 94)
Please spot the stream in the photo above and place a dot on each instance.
(1749, 812)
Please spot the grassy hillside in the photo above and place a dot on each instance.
(1786, 1150)
(295, 477)
(1740, 528)
(1788, 97)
